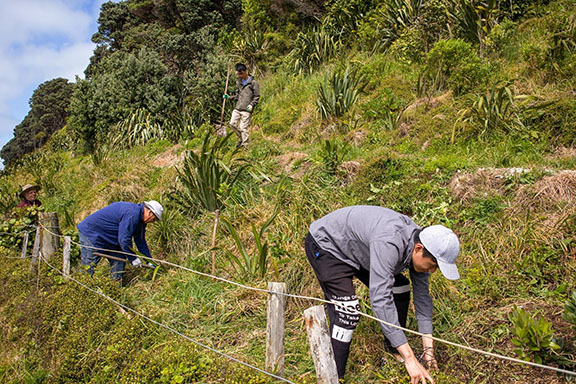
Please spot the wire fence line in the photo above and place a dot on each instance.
(171, 329)
(440, 340)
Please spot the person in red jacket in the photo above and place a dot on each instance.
(28, 194)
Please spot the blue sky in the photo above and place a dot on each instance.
(41, 40)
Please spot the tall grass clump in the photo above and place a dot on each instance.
(337, 94)
(492, 112)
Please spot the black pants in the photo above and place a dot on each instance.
(335, 277)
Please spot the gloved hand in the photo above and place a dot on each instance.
(137, 263)
(249, 108)
(225, 96)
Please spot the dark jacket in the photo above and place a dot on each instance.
(114, 227)
(248, 94)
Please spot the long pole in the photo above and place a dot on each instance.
(216, 217)
(221, 128)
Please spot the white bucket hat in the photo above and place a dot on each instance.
(155, 207)
(444, 245)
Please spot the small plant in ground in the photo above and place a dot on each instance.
(333, 152)
(337, 94)
(255, 263)
(534, 337)
(570, 309)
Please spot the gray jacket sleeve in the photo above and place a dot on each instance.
(256, 94)
(384, 256)
(422, 300)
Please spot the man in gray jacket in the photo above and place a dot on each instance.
(376, 245)
(246, 97)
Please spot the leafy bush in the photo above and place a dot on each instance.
(453, 64)
(388, 21)
(136, 129)
(474, 18)
(534, 337)
(12, 229)
(10, 196)
(337, 94)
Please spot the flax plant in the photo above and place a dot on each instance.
(250, 264)
(207, 176)
(337, 94)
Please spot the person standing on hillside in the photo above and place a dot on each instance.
(112, 229)
(376, 245)
(246, 97)
(28, 195)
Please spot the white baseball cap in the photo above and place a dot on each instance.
(155, 207)
(444, 245)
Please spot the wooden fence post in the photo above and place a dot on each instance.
(66, 257)
(275, 328)
(50, 238)
(35, 250)
(320, 346)
(24, 245)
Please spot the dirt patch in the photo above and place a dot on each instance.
(428, 103)
(357, 138)
(562, 153)
(349, 170)
(169, 158)
(289, 161)
(483, 182)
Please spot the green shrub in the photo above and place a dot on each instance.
(534, 337)
(492, 112)
(453, 64)
(475, 19)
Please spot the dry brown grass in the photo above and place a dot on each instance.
(549, 193)
(484, 182)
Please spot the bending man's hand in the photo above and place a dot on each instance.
(418, 374)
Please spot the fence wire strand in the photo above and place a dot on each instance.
(440, 340)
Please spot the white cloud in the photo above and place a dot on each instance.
(40, 40)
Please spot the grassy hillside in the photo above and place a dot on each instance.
(480, 140)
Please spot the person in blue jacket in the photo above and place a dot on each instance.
(113, 228)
